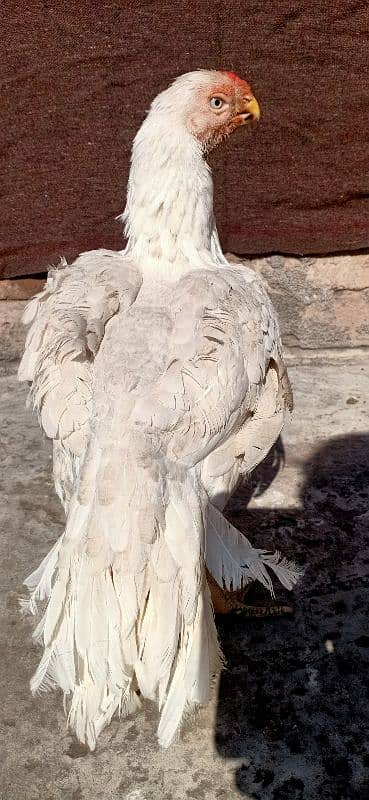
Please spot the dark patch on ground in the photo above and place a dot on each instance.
(294, 701)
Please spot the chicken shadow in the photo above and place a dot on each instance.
(293, 703)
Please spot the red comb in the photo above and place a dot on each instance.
(233, 77)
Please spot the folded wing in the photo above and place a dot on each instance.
(67, 323)
(224, 338)
(221, 404)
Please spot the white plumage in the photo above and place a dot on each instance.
(158, 373)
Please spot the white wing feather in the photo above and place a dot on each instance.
(67, 322)
(233, 562)
(129, 607)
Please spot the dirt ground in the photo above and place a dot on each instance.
(289, 718)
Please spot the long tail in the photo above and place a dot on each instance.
(128, 605)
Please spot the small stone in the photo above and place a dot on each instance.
(77, 750)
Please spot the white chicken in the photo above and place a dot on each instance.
(157, 372)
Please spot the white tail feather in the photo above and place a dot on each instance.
(40, 581)
(108, 630)
(199, 658)
(233, 562)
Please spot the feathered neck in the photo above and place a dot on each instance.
(169, 217)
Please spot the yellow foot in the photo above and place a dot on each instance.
(226, 602)
(273, 610)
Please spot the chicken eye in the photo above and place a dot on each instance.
(216, 103)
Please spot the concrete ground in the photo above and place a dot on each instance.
(289, 719)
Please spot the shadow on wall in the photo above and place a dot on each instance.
(294, 701)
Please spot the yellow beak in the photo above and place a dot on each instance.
(253, 108)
